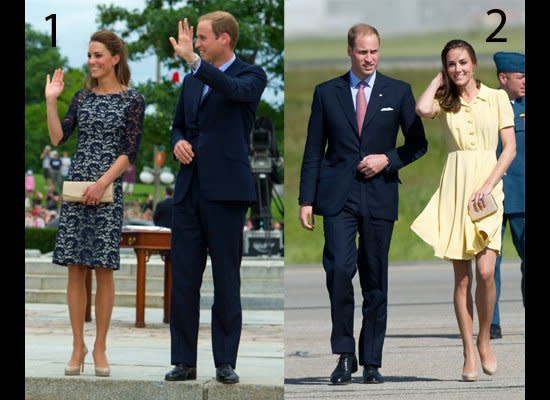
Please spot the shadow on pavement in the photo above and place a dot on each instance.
(424, 335)
(312, 380)
(324, 380)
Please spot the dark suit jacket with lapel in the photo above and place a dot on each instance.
(334, 149)
(218, 128)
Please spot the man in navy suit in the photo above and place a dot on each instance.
(214, 187)
(511, 77)
(349, 176)
(162, 216)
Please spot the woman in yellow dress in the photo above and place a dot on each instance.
(472, 117)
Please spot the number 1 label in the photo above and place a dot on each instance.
(52, 17)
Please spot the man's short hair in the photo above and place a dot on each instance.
(360, 30)
(222, 21)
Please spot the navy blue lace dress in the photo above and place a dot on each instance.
(108, 126)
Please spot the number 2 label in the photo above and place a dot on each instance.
(491, 37)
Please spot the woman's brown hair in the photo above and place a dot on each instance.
(115, 46)
(447, 94)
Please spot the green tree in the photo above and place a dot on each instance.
(261, 38)
(146, 32)
(40, 59)
(161, 101)
(36, 128)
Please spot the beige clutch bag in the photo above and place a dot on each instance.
(490, 208)
(72, 192)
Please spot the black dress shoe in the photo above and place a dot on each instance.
(347, 364)
(495, 332)
(181, 373)
(226, 374)
(371, 375)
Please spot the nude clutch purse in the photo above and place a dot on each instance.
(72, 192)
(490, 208)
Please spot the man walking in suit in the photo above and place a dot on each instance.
(214, 187)
(511, 77)
(349, 176)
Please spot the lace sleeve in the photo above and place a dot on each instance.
(70, 121)
(133, 130)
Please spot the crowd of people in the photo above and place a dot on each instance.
(43, 206)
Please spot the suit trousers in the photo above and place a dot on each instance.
(341, 260)
(517, 227)
(200, 226)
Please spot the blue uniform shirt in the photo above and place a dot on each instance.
(514, 180)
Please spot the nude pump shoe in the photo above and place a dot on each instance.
(469, 376)
(76, 369)
(102, 371)
(489, 369)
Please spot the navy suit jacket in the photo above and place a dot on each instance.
(334, 149)
(163, 213)
(514, 179)
(218, 127)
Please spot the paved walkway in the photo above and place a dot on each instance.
(140, 357)
(422, 356)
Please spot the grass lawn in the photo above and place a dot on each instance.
(403, 46)
(420, 179)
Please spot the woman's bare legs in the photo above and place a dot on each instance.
(485, 303)
(76, 300)
(464, 311)
(104, 301)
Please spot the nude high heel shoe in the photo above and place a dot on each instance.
(489, 369)
(469, 376)
(102, 371)
(76, 369)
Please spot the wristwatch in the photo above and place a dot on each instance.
(194, 64)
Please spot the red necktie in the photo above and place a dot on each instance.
(361, 106)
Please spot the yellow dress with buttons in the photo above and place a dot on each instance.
(471, 137)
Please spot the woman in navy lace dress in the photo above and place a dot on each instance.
(109, 119)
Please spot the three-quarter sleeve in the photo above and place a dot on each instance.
(131, 137)
(70, 121)
(505, 110)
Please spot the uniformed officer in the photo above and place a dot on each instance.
(511, 77)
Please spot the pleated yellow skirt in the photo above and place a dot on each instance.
(445, 224)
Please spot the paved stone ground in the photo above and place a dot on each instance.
(140, 357)
(422, 356)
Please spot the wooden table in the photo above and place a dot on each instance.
(145, 241)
